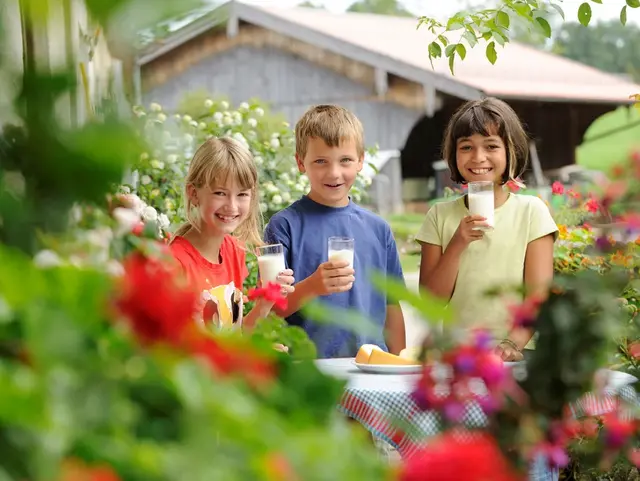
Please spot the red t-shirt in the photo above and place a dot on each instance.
(220, 284)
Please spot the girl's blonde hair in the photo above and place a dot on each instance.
(217, 162)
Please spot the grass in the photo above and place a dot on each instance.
(603, 153)
(404, 228)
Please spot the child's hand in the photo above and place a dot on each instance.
(331, 277)
(508, 353)
(286, 280)
(468, 231)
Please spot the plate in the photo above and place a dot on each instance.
(388, 368)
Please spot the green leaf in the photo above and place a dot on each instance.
(452, 59)
(455, 23)
(633, 3)
(470, 37)
(584, 14)
(450, 49)
(502, 19)
(623, 15)
(546, 28)
(345, 318)
(491, 53)
(597, 1)
(435, 50)
(558, 9)
(498, 37)
(462, 51)
(443, 40)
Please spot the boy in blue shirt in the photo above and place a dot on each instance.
(330, 151)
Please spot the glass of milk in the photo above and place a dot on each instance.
(481, 201)
(341, 249)
(270, 262)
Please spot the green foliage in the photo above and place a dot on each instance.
(380, 7)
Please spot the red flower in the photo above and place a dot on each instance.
(634, 349)
(138, 229)
(617, 430)
(271, 292)
(278, 468)
(557, 188)
(157, 307)
(450, 457)
(226, 360)
(513, 186)
(592, 205)
(573, 194)
(77, 470)
(525, 314)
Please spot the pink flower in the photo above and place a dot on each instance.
(592, 205)
(557, 188)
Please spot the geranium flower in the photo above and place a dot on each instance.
(158, 308)
(77, 470)
(617, 431)
(573, 194)
(272, 292)
(557, 188)
(451, 457)
(592, 205)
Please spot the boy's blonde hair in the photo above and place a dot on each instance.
(216, 162)
(331, 123)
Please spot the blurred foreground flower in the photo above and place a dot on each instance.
(77, 470)
(463, 456)
(271, 292)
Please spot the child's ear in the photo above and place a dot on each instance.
(300, 163)
(192, 192)
(360, 162)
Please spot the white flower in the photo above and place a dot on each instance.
(275, 143)
(237, 118)
(114, 268)
(217, 117)
(46, 258)
(243, 106)
(299, 187)
(76, 214)
(286, 196)
(155, 107)
(125, 189)
(270, 188)
(208, 103)
(259, 112)
(224, 105)
(284, 177)
(271, 165)
(137, 203)
(239, 137)
(294, 171)
(259, 160)
(156, 164)
(202, 126)
(263, 207)
(162, 117)
(177, 116)
(227, 120)
(140, 114)
(145, 180)
(172, 158)
(187, 119)
(144, 156)
(276, 199)
(188, 138)
(252, 122)
(286, 125)
(127, 219)
(163, 221)
(193, 123)
(275, 135)
(149, 214)
(100, 237)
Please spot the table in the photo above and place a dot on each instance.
(382, 403)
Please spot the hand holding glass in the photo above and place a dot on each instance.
(270, 262)
(341, 249)
(481, 201)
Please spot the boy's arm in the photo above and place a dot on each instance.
(394, 331)
(394, 328)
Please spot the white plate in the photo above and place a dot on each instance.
(389, 368)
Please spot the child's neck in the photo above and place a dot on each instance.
(500, 195)
(207, 245)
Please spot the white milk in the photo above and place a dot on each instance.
(270, 266)
(342, 255)
(481, 203)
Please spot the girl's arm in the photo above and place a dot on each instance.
(438, 270)
(538, 275)
(260, 310)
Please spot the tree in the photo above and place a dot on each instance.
(492, 26)
(380, 7)
(609, 46)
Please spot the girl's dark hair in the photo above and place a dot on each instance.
(488, 116)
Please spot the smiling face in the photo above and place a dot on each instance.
(222, 208)
(481, 158)
(331, 170)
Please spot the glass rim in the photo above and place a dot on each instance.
(481, 182)
(340, 238)
(267, 246)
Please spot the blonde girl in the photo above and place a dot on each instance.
(221, 198)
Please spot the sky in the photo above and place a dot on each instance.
(610, 9)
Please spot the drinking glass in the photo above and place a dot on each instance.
(270, 262)
(341, 249)
(481, 201)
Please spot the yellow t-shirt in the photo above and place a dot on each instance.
(497, 260)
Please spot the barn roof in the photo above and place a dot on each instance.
(394, 45)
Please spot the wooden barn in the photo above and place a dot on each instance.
(377, 66)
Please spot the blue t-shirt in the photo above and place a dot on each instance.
(304, 229)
